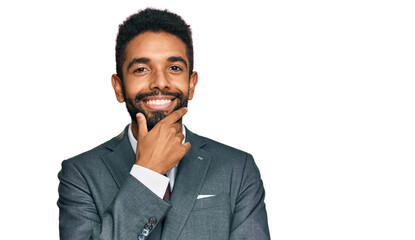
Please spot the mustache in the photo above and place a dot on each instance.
(140, 96)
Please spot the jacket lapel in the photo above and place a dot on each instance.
(189, 179)
(121, 159)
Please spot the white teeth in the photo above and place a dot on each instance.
(158, 102)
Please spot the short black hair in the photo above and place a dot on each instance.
(154, 20)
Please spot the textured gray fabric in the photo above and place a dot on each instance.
(99, 199)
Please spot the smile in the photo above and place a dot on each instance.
(158, 103)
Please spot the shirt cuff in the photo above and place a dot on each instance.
(154, 181)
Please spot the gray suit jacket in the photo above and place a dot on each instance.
(99, 199)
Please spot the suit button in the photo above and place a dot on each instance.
(145, 232)
(152, 220)
(147, 226)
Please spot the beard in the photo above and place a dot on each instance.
(134, 106)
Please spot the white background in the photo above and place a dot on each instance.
(320, 92)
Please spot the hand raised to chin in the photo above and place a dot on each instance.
(161, 148)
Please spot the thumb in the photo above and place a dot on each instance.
(142, 125)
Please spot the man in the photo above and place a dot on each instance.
(157, 179)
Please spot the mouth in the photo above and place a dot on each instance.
(158, 103)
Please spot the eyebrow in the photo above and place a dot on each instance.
(138, 60)
(147, 60)
(177, 59)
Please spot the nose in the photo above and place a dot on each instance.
(160, 81)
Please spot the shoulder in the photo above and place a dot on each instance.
(222, 148)
(236, 169)
(93, 155)
(221, 153)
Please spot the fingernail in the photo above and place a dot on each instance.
(138, 115)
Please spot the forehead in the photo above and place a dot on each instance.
(155, 46)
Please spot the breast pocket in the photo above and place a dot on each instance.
(210, 218)
(218, 201)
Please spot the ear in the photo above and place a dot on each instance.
(192, 84)
(117, 85)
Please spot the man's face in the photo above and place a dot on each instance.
(156, 77)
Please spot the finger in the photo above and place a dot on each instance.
(181, 137)
(142, 125)
(178, 127)
(175, 116)
(187, 146)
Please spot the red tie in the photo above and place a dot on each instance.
(168, 192)
(167, 196)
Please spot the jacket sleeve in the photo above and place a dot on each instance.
(250, 216)
(134, 209)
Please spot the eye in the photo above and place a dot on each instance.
(175, 68)
(140, 69)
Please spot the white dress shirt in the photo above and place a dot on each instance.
(156, 182)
